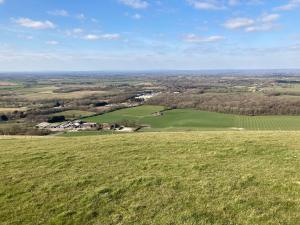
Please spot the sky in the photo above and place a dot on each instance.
(89, 35)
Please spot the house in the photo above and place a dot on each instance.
(68, 126)
(146, 96)
(106, 126)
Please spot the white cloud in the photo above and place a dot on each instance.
(59, 12)
(34, 24)
(106, 37)
(269, 18)
(233, 2)
(52, 42)
(206, 4)
(193, 38)
(221, 4)
(1, 1)
(237, 23)
(292, 4)
(263, 27)
(136, 4)
(263, 23)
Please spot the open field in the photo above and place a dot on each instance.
(7, 83)
(152, 178)
(223, 101)
(49, 94)
(73, 114)
(8, 110)
(136, 114)
(188, 119)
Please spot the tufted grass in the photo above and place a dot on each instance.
(183, 178)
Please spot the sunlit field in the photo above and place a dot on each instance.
(189, 119)
(152, 178)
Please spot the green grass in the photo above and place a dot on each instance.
(73, 114)
(189, 119)
(86, 133)
(207, 178)
(136, 114)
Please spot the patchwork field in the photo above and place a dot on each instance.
(179, 178)
(45, 93)
(7, 83)
(188, 119)
(48, 93)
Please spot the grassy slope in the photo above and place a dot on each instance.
(72, 114)
(188, 119)
(152, 178)
(136, 113)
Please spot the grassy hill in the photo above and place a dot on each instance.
(152, 178)
(189, 119)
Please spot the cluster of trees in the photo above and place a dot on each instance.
(22, 130)
(129, 123)
(236, 103)
(12, 115)
(4, 118)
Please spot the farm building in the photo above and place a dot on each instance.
(68, 126)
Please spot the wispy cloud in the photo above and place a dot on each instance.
(52, 42)
(105, 37)
(206, 4)
(136, 4)
(137, 16)
(269, 18)
(263, 27)
(292, 4)
(193, 38)
(59, 12)
(25, 37)
(77, 30)
(80, 16)
(245, 2)
(262, 23)
(221, 4)
(34, 24)
(237, 23)
(233, 2)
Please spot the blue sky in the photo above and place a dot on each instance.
(149, 34)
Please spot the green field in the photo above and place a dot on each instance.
(207, 178)
(136, 114)
(73, 114)
(189, 119)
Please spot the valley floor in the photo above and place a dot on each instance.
(191, 119)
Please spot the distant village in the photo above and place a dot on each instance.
(79, 125)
